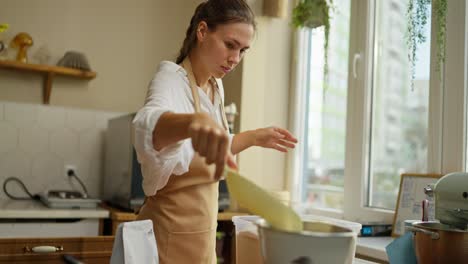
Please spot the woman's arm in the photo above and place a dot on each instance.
(242, 141)
(170, 129)
(208, 138)
(269, 137)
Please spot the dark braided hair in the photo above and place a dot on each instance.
(214, 13)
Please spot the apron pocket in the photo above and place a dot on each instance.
(192, 247)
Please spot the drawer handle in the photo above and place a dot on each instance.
(43, 249)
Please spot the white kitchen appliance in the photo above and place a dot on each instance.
(451, 199)
(447, 241)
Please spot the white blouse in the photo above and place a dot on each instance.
(169, 91)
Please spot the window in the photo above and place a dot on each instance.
(366, 125)
(325, 123)
(398, 126)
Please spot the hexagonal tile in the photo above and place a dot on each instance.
(34, 140)
(16, 164)
(51, 117)
(79, 120)
(64, 142)
(8, 137)
(20, 115)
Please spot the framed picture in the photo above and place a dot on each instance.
(410, 197)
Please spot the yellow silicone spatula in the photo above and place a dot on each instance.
(260, 202)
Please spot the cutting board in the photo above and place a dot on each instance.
(260, 202)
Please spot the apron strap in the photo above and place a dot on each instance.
(221, 106)
(192, 83)
(194, 88)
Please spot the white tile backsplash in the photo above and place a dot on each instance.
(45, 170)
(15, 163)
(20, 115)
(51, 117)
(64, 142)
(37, 141)
(33, 139)
(8, 137)
(80, 121)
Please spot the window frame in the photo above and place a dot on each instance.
(447, 109)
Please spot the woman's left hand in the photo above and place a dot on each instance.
(274, 138)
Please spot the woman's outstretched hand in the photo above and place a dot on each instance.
(211, 141)
(274, 138)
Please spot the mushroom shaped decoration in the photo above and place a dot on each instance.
(22, 42)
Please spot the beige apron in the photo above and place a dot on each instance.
(184, 212)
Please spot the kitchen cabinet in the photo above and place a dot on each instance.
(49, 72)
(87, 249)
(28, 218)
(225, 225)
(19, 228)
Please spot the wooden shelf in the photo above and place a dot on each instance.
(49, 73)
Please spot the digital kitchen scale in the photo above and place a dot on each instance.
(67, 200)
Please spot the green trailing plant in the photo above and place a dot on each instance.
(417, 16)
(312, 14)
(440, 7)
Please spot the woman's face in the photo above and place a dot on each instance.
(223, 48)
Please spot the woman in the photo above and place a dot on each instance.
(182, 129)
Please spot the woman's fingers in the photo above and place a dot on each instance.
(286, 144)
(219, 170)
(194, 131)
(211, 142)
(279, 148)
(287, 134)
(221, 156)
(231, 162)
(214, 140)
(202, 141)
(222, 150)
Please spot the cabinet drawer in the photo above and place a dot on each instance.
(86, 249)
(86, 258)
(49, 228)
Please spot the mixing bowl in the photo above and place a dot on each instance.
(318, 243)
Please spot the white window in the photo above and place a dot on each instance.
(324, 124)
(366, 125)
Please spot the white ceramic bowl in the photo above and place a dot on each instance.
(319, 243)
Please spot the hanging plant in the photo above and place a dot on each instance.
(417, 16)
(312, 14)
(440, 7)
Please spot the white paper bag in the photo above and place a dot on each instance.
(135, 243)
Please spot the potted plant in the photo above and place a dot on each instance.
(312, 14)
(417, 16)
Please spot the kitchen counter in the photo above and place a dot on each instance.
(29, 209)
(373, 248)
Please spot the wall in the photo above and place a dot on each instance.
(37, 141)
(123, 41)
(265, 95)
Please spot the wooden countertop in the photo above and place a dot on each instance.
(29, 209)
(119, 215)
